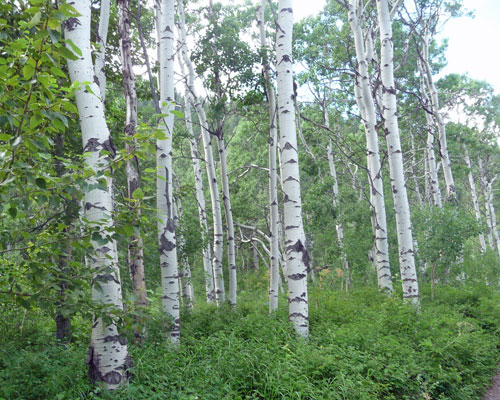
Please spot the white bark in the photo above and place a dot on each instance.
(443, 146)
(484, 184)
(200, 197)
(226, 197)
(297, 258)
(100, 57)
(274, 276)
(493, 216)
(429, 146)
(164, 181)
(220, 295)
(475, 201)
(108, 357)
(186, 282)
(366, 105)
(401, 205)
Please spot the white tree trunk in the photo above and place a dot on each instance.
(484, 184)
(186, 282)
(493, 217)
(200, 197)
(220, 294)
(475, 201)
(429, 146)
(135, 254)
(366, 105)
(401, 205)
(164, 182)
(226, 197)
(274, 275)
(297, 258)
(443, 146)
(100, 57)
(108, 357)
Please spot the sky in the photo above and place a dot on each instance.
(473, 43)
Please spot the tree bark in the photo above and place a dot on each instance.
(220, 294)
(475, 201)
(164, 182)
(401, 205)
(100, 57)
(108, 357)
(200, 197)
(135, 254)
(366, 105)
(274, 276)
(297, 258)
(484, 184)
(186, 282)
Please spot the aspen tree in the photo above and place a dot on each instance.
(102, 35)
(366, 104)
(297, 258)
(108, 357)
(164, 182)
(475, 202)
(389, 107)
(135, 255)
(274, 276)
(220, 294)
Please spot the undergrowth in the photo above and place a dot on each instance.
(363, 345)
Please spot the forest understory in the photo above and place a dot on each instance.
(363, 345)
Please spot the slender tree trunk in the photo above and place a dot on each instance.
(493, 217)
(443, 146)
(100, 57)
(226, 197)
(475, 201)
(164, 182)
(484, 184)
(135, 256)
(401, 205)
(220, 294)
(415, 172)
(108, 357)
(186, 282)
(297, 258)
(200, 197)
(366, 105)
(274, 275)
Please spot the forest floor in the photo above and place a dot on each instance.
(493, 392)
(363, 345)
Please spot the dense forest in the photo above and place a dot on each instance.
(210, 200)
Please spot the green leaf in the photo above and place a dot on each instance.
(177, 113)
(40, 182)
(128, 229)
(28, 71)
(138, 194)
(12, 212)
(5, 136)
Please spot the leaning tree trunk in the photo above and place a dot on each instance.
(135, 255)
(164, 182)
(475, 201)
(220, 294)
(100, 57)
(200, 197)
(366, 105)
(400, 196)
(297, 258)
(108, 357)
(274, 275)
(443, 146)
